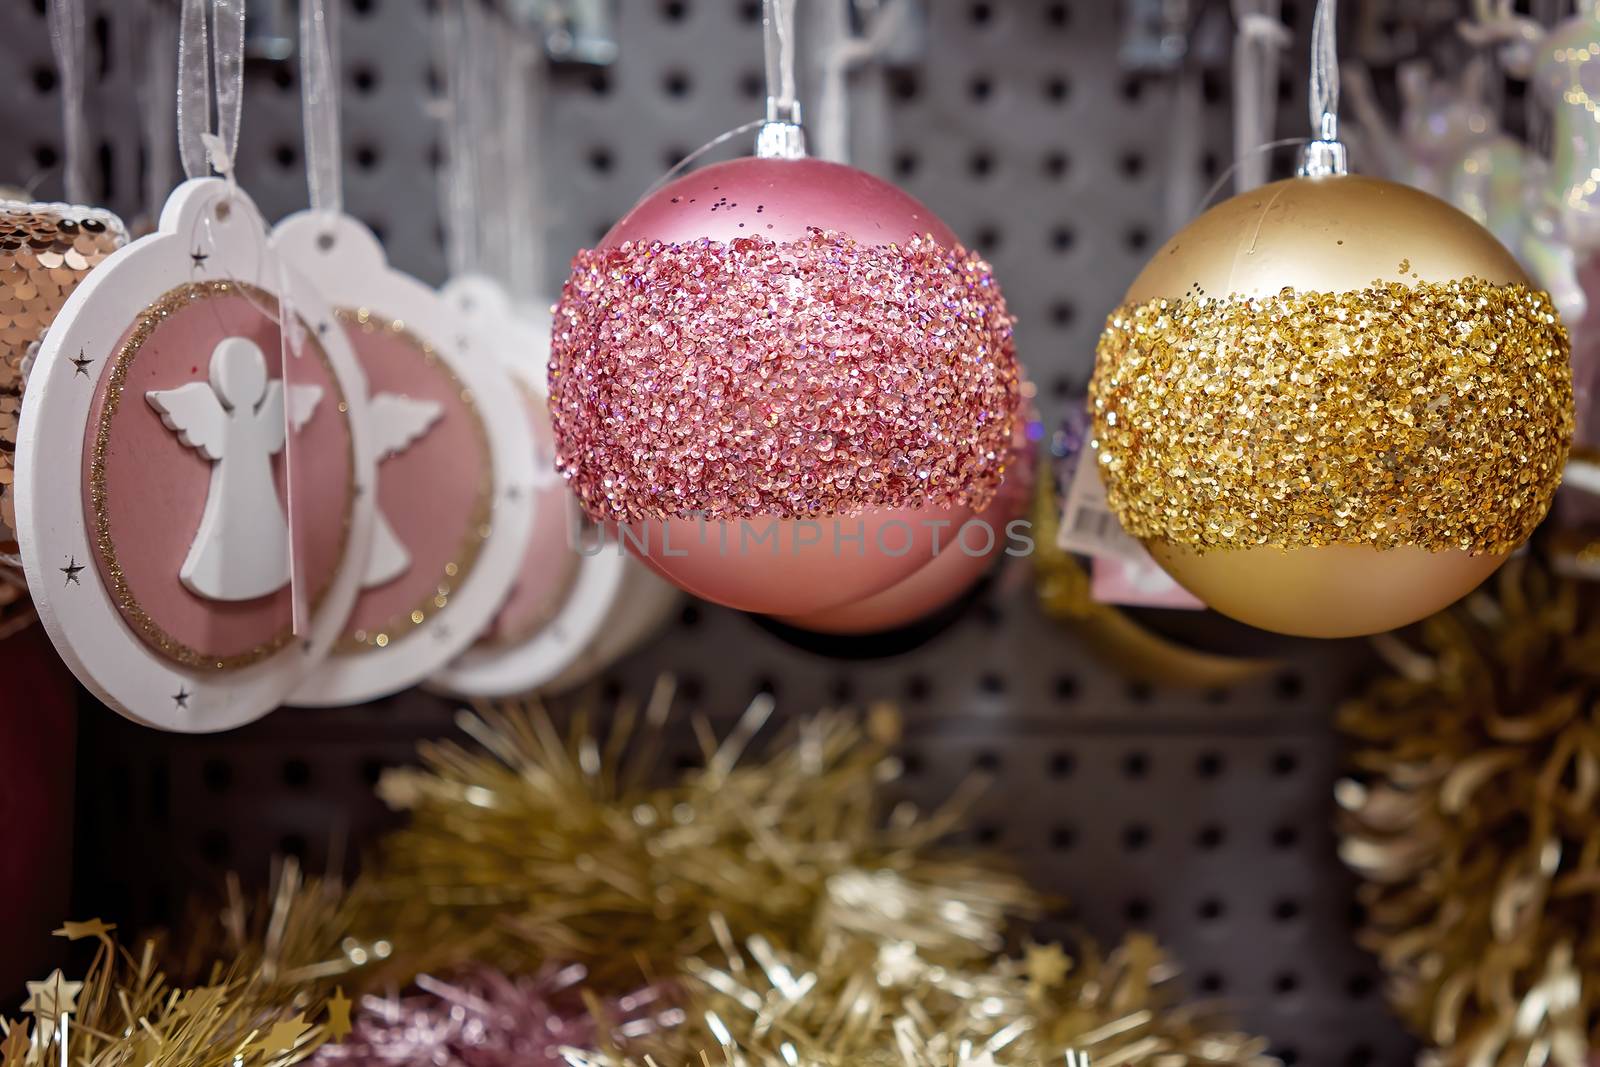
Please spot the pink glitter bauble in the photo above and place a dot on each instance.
(965, 553)
(786, 351)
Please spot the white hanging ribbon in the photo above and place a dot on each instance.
(521, 125)
(319, 102)
(1260, 40)
(459, 189)
(778, 46)
(1324, 95)
(202, 147)
(67, 37)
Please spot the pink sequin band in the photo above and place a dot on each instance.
(783, 380)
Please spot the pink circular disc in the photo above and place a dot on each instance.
(549, 565)
(435, 482)
(145, 490)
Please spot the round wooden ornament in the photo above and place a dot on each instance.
(455, 482)
(159, 441)
(567, 581)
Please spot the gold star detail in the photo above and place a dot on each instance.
(53, 997)
(79, 931)
(339, 1015)
(200, 1002)
(14, 1049)
(1047, 967)
(283, 1036)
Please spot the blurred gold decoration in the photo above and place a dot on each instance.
(1473, 816)
(1138, 652)
(127, 1011)
(537, 847)
(856, 1004)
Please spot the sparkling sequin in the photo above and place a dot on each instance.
(762, 379)
(1434, 415)
(45, 251)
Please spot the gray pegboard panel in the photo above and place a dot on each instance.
(1204, 817)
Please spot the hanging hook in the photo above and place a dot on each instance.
(1325, 156)
(780, 135)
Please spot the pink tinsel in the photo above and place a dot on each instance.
(483, 1018)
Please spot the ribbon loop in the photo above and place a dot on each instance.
(201, 146)
(319, 100)
(67, 36)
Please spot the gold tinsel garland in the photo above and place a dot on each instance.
(800, 921)
(1473, 817)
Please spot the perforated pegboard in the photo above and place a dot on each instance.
(1203, 816)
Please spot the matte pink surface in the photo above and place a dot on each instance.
(779, 199)
(721, 563)
(953, 571)
(156, 485)
(429, 490)
(548, 563)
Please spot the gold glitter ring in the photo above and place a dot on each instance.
(1433, 415)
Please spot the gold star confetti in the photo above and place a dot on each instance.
(339, 1015)
(1046, 966)
(283, 1036)
(77, 931)
(14, 1049)
(53, 997)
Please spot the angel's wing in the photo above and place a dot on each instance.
(303, 401)
(399, 420)
(195, 413)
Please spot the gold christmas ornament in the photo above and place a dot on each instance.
(1332, 405)
(1472, 815)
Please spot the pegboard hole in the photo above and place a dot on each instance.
(689, 617)
(44, 80)
(674, 10)
(1211, 88)
(215, 848)
(1289, 686)
(366, 156)
(1285, 837)
(286, 157)
(1062, 315)
(911, 763)
(1140, 692)
(1136, 238)
(216, 775)
(371, 772)
(1062, 238)
(1361, 1056)
(750, 11)
(1286, 910)
(1211, 837)
(841, 690)
(751, 85)
(1289, 1057)
(600, 160)
(1135, 765)
(987, 761)
(987, 835)
(1137, 911)
(1211, 983)
(980, 164)
(992, 683)
(1065, 686)
(1210, 765)
(1063, 838)
(1284, 764)
(1058, 15)
(1211, 909)
(1131, 164)
(691, 688)
(364, 7)
(1062, 764)
(600, 82)
(988, 239)
(905, 163)
(1062, 387)
(905, 85)
(676, 84)
(1056, 89)
(1135, 837)
(292, 845)
(917, 687)
(672, 156)
(1055, 165)
(980, 14)
(1131, 88)
(1359, 986)
(44, 156)
(283, 77)
(364, 78)
(296, 773)
(980, 89)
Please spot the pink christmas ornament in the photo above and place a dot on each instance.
(789, 367)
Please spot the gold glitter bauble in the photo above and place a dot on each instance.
(1332, 406)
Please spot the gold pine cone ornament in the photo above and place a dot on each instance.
(1332, 406)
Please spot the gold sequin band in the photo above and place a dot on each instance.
(1434, 415)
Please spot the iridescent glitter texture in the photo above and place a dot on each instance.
(1433, 415)
(781, 380)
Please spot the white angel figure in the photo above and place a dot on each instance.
(396, 422)
(236, 420)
